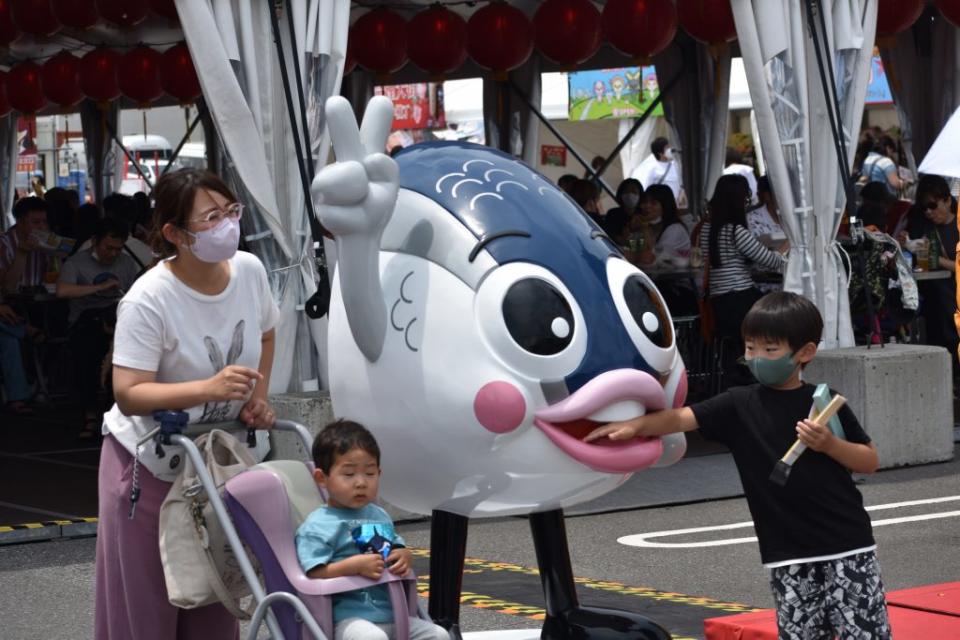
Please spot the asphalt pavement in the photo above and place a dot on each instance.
(47, 587)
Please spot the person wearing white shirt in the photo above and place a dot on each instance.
(196, 334)
(661, 167)
(735, 165)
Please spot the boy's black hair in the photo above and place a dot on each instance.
(339, 437)
(783, 316)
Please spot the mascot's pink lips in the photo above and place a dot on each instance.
(607, 398)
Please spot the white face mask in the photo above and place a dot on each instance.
(217, 244)
(668, 154)
(657, 220)
(630, 200)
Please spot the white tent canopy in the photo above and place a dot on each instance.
(943, 158)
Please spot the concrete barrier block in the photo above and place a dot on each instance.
(313, 410)
(901, 393)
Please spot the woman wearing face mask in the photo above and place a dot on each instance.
(195, 333)
(616, 221)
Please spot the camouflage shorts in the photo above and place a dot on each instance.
(840, 598)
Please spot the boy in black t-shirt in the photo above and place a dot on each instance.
(814, 533)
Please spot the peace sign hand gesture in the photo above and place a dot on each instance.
(356, 194)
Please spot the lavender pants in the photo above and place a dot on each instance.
(130, 590)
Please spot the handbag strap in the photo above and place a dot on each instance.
(223, 594)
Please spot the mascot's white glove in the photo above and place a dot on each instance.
(354, 198)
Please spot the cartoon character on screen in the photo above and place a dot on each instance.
(481, 325)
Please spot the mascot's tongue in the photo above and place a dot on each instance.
(579, 429)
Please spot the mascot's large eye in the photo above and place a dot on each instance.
(538, 317)
(648, 311)
(643, 312)
(530, 321)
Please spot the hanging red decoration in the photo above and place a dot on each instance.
(139, 75)
(165, 8)
(567, 31)
(98, 75)
(709, 21)
(8, 31)
(123, 13)
(380, 41)
(437, 40)
(76, 14)
(4, 102)
(640, 28)
(34, 17)
(177, 74)
(950, 10)
(60, 79)
(24, 88)
(894, 16)
(499, 37)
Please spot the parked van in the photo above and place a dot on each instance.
(153, 152)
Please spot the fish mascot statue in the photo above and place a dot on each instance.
(481, 325)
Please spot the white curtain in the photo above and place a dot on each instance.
(9, 153)
(232, 46)
(637, 147)
(924, 101)
(697, 108)
(791, 113)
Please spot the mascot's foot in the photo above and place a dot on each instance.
(593, 623)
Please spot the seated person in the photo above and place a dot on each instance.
(12, 376)
(94, 280)
(663, 230)
(615, 223)
(763, 221)
(351, 536)
(23, 261)
(587, 195)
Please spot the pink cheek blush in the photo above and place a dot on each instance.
(499, 407)
(681, 395)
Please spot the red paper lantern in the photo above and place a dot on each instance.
(98, 75)
(894, 16)
(177, 74)
(24, 89)
(950, 10)
(567, 31)
(380, 41)
(8, 31)
(76, 14)
(60, 79)
(709, 21)
(437, 40)
(34, 17)
(123, 13)
(499, 37)
(4, 102)
(139, 75)
(165, 8)
(640, 28)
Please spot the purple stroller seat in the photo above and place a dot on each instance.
(267, 504)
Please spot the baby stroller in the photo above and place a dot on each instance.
(263, 507)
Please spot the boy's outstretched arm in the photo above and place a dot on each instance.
(855, 456)
(653, 424)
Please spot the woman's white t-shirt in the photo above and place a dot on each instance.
(184, 335)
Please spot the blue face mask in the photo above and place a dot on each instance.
(772, 372)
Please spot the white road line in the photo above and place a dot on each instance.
(62, 463)
(644, 539)
(44, 512)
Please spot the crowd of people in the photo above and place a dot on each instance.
(738, 251)
(63, 268)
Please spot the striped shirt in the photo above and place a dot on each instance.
(738, 249)
(35, 267)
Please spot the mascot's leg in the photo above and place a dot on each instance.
(566, 619)
(448, 546)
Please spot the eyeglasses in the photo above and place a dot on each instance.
(214, 217)
(930, 206)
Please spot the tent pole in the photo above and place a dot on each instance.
(562, 139)
(303, 105)
(176, 152)
(126, 152)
